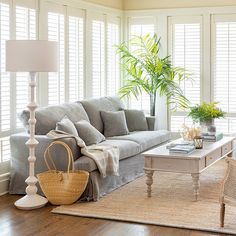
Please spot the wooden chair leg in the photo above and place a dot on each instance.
(222, 214)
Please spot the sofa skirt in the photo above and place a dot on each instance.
(129, 169)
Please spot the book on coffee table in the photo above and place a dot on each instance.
(179, 142)
(185, 149)
(212, 137)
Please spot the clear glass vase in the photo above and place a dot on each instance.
(208, 127)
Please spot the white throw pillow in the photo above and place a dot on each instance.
(88, 133)
(67, 126)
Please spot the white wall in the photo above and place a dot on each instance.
(161, 4)
(108, 3)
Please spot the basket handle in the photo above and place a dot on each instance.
(47, 155)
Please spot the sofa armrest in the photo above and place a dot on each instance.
(152, 122)
(20, 152)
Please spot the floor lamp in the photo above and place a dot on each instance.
(31, 56)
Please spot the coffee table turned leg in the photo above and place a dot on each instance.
(149, 181)
(196, 185)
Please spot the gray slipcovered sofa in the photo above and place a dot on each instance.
(131, 146)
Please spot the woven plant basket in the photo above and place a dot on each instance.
(62, 187)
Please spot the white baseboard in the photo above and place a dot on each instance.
(4, 183)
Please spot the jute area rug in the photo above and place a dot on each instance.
(171, 203)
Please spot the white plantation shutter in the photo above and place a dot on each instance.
(76, 57)
(66, 26)
(140, 27)
(224, 72)
(4, 84)
(4, 76)
(56, 80)
(25, 29)
(14, 87)
(98, 57)
(185, 41)
(113, 68)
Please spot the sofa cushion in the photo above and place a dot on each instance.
(136, 120)
(88, 133)
(93, 108)
(114, 123)
(67, 126)
(47, 117)
(127, 149)
(146, 139)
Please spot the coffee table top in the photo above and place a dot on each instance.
(208, 147)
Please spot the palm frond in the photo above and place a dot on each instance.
(147, 71)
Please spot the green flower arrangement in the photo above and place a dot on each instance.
(206, 112)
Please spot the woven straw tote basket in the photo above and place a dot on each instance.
(62, 187)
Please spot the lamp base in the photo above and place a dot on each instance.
(30, 202)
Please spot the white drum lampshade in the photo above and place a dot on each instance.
(31, 56)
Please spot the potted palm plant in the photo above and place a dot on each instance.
(147, 71)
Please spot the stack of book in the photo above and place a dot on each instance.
(212, 137)
(184, 149)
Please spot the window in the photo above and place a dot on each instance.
(56, 81)
(14, 86)
(76, 58)
(140, 27)
(4, 76)
(105, 76)
(4, 85)
(98, 57)
(224, 70)
(66, 26)
(185, 48)
(25, 29)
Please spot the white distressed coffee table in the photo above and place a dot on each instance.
(159, 159)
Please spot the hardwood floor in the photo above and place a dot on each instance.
(42, 222)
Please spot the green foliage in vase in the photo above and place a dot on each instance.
(147, 71)
(205, 112)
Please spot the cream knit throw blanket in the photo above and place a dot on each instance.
(105, 156)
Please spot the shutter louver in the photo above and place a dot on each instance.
(98, 80)
(4, 76)
(76, 57)
(4, 83)
(5, 152)
(225, 73)
(186, 53)
(25, 29)
(56, 81)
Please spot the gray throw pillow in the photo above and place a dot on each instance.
(114, 123)
(136, 120)
(88, 133)
(67, 126)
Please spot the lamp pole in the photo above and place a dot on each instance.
(31, 200)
